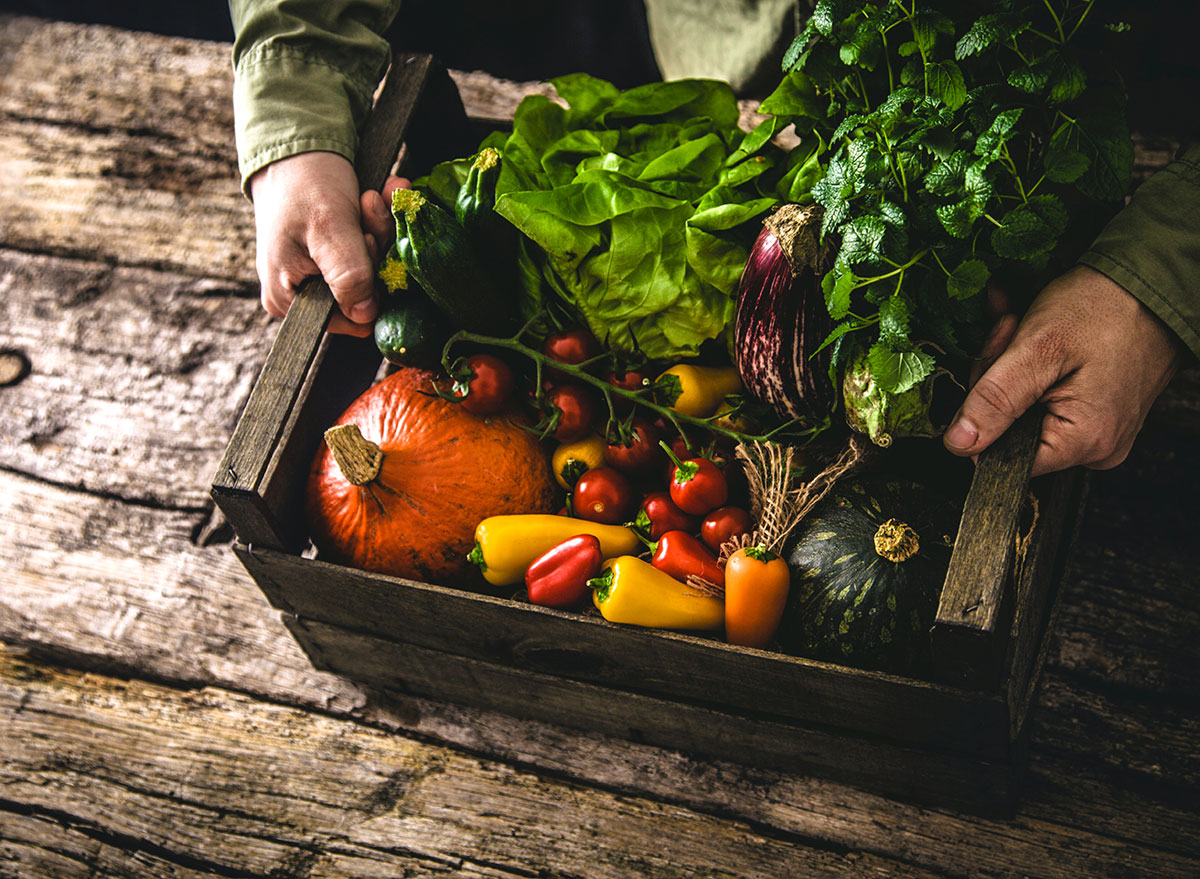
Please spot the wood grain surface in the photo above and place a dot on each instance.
(158, 719)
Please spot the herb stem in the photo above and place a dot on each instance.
(1062, 38)
(1082, 16)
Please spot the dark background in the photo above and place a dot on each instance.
(537, 39)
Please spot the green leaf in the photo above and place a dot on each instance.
(1067, 79)
(838, 331)
(1102, 136)
(947, 84)
(1032, 229)
(862, 242)
(967, 279)
(1031, 80)
(837, 297)
(987, 32)
(894, 320)
(959, 217)
(906, 49)
(863, 47)
(796, 95)
(826, 14)
(1065, 165)
(947, 177)
(897, 371)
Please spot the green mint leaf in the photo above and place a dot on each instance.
(1065, 165)
(897, 371)
(987, 32)
(826, 14)
(959, 217)
(1031, 80)
(863, 242)
(937, 139)
(851, 122)
(991, 143)
(1030, 230)
(893, 320)
(1102, 136)
(907, 49)
(967, 279)
(799, 47)
(838, 298)
(947, 177)
(1067, 78)
(863, 48)
(926, 25)
(947, 84)
(838, 331)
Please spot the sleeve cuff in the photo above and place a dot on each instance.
(1152, 247)
(288, 101)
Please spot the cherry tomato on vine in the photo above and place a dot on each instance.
(604, 495)
(488, 389)
(697, 485)
(578, 411)
(640, 454)
(659, 515)
(572, 346)
(723, 524)
(629, 380)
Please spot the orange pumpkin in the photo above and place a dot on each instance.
(405, 476)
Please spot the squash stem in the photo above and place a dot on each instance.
(896, 541)
(357, 457)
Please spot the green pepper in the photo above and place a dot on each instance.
(637, 593)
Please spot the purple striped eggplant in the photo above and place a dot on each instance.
(781, 316)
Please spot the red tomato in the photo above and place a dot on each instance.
(641, 454)
(629, 380)
(490, 386)
(572, 346)
(578, 409)
(722, 525)
(604, 495)
(660, 515)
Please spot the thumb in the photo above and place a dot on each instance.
(1013, 383)
(340, 254)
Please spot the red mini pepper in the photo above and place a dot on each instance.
(681, 555)
(559, 577)
(697, 485)
(659, 515)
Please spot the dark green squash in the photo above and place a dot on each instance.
(410, 331)
(867, 571)
(441, 257)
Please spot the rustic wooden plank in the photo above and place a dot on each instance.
(586, 647)
(916, 774)
(969, 633)
(136, 375)
(215, 783)
(103, 584)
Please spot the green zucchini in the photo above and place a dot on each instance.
(439, 255)
(410, 331)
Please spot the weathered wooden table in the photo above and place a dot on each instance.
(156, 719)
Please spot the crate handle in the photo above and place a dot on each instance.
(241, 486)
(969, 631)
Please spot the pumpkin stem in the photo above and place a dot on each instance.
(896, 541)
(357, 457)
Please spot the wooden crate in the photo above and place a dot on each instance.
(956, 741)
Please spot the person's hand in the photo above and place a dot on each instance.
(310, 220)
(1087, 349)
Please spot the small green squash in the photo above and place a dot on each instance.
(410, 331)
(867, 567)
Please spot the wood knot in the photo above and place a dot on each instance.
(14, 366)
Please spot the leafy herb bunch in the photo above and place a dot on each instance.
(962, 141)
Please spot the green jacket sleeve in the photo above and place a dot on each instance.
(1152, 247)
(304, 74)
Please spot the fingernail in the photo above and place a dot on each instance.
(362, 312)
(380, 209)
(961, 435)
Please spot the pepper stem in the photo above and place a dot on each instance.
(896, 541)
(357, 457)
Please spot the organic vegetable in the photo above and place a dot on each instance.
(867, 569)
(572, 460)
(635, 592)
(964, 140)
(635, 206)
(559, 577)
(697, 390)
(505, 546)
(682, 556)
(399, 484)
(485, 386)
(576, 412)
(603, 495)
(639, 452)
(756, 590)
(697, 485)
(722, 525)
(410, 331)
(659, 514)
(434, 247)
(575, 345)
(881, 415)
(782, 319)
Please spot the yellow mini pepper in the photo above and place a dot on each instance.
(635, 592)
(505, 545)
(702, 389)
